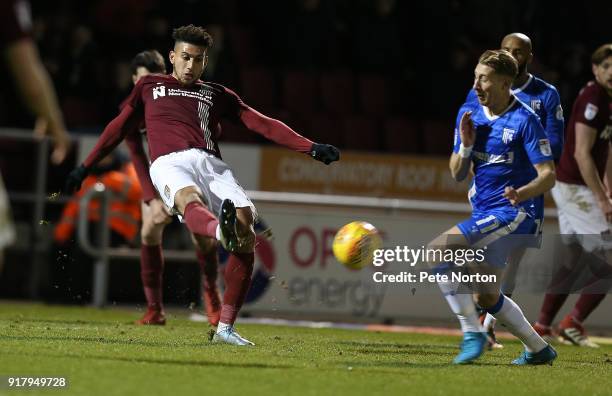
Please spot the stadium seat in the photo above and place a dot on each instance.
(259, 89)
(242, 46)
(402, 135)
(438, 136)
(362, 133)
(299, 92)
(337, 92)
(79, 113)
(373, 95)
(326, 128)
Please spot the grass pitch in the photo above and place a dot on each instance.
(102, 353)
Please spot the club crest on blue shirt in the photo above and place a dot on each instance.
(559, 113)
(508, 135)
(536, 104)
(545, 147)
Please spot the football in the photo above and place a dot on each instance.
(355, 243)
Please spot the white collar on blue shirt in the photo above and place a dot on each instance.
(522, 87)
(492, 117)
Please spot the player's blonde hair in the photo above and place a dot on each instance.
(601, 54)
(501, 61)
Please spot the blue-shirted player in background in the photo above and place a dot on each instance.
(544, 100)
(536, 93)
(502, 140)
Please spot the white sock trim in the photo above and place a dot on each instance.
(511, 316)
(489, 321)
(462, 306)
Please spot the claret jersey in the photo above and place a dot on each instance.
(181, 117)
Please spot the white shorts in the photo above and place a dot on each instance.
(194, 167)
(580, 218)
(7, 231)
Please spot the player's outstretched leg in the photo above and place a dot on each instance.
(201, 222)
(237, 276)
(237, 281)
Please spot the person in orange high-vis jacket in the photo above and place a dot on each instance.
(124, 211)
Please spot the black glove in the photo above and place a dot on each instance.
(74, 180)
(325, 153)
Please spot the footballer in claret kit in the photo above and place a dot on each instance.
(182, 115)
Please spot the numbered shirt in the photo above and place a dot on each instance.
(506, 148)
(593, 107)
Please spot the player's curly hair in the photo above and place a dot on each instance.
(192, 34)
(151, 60)
(501, 61)
(601, 54)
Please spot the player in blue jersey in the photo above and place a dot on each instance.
(544, 100)
(536, 93)
(502, 140)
